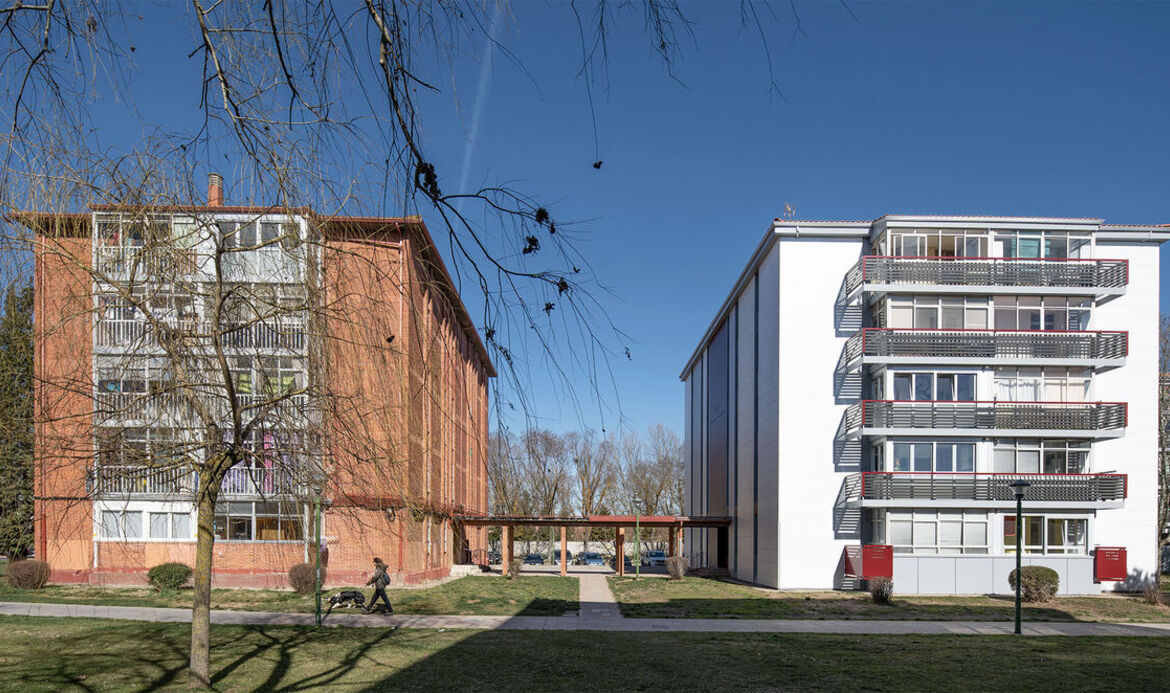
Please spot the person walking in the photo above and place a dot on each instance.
(379, 580)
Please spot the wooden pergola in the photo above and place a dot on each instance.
(674, 523)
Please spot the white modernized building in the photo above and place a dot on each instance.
(868, 390)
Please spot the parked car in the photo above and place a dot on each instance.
(494, 557)
(534, 559)
(590, 558)
(629, 563)
(557, 556)
(654, 558)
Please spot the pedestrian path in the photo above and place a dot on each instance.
(586, 623)
(596, 599)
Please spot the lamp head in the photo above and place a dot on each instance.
(1018, 488)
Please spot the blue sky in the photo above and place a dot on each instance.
(1031, 109)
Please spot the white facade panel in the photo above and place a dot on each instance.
(745, 435)
(811, 271)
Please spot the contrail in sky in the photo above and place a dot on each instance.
(485, 81)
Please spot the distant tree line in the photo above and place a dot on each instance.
(586, 473)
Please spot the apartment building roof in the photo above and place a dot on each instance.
(75, 224)
(861, 229)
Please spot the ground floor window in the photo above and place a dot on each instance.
(259, 521)
(937, 532)
(1047, 535)
(170, 525)
(121, 524)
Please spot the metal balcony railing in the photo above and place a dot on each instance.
(283, 335)
(122, 406)
(986, 486)
(1038, 416)
(985, 271)
(160, 262)
(260, 481)
(108, 480)
(887, 342)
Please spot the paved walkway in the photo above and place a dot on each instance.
(596, 600)
(586, 622)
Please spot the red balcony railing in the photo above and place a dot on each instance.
(889, 342)
(990, 486)
(869, 561)
(1072, 273)
(1054, 416)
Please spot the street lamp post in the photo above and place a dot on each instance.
(637, 539)
(1018, 488)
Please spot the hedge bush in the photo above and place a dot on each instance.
(303, 577)
(1038, 585)
(881, 590)
(677, 567)
(169, 576)
(28, 575)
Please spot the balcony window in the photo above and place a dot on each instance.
(941, 532)
(938, 243)
(1049, 384)
(1046, 244)
(1041, 313)
(933, 312)
(1047, 535)
(934, 457)
(1029, 456)
(942, 387)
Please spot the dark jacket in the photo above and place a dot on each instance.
(380, 579)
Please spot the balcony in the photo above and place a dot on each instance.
(987, 347)
(980, 419)
(985, 490)
(173, 482)
(271, 335)
(881, 274)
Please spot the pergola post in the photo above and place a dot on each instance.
(619, 559)
(507, 549)
(564, 550)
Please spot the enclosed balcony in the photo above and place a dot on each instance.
(881, 274)
(981, 419)
(985, 490)
(886, 345)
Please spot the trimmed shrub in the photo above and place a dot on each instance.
(881, 590)
(169, 576)
(677, 567)
(1039, 584)
(1152, 595)
(303, 577)
(514, 567)
(28, 575)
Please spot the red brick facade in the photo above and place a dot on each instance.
(407, 417)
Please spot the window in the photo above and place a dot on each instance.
(1041, 313)
(942, 387)
(1042, 384)
(258, 521)
(933, 312)
(1047, 244)
(934, 457)
(166, 525)
(1028, 456)
(121, 524)
(938, 243)
(941, 532)
(236, 235)
(1047, 535)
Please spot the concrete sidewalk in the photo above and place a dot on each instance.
(585, 623)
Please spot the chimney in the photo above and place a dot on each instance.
(214, 190)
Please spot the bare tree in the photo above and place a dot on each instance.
(595, 466)
(1163, 445)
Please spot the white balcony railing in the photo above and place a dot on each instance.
(1068, 273)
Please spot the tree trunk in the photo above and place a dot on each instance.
(200, 667)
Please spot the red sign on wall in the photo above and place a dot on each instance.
(877, 561)
(1109, 564)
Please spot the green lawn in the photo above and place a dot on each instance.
(81, 654)
(695, 597)
(541, 595)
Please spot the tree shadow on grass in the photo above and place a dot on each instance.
(838, 608)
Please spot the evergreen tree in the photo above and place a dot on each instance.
(16, 416)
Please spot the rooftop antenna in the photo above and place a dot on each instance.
(788, 210)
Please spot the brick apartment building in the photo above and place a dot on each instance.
(401, 436)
